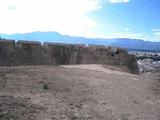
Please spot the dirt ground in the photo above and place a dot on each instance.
(78, 92)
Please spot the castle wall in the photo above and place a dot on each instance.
(7, 52)
(33, 53)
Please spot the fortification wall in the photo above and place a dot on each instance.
(33, 53)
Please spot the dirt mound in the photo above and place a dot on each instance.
(17, 108)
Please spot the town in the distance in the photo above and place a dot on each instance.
(147, 61)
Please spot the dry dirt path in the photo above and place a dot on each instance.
(77, 92)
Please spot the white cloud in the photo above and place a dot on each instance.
(157, 35)
(119, 1)
(127, 29)
(64, 16)
(129, 34)
(155, 30)
(135, 35)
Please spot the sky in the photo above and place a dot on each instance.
(137, 19)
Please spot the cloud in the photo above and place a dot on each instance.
(119, 1)
(155, 30)
(129, 34)
(157, 35)
(64, 16)
(127, 29)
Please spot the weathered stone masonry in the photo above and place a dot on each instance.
(33, 53)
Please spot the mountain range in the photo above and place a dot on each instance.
(137, 44)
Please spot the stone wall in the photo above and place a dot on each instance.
(33, 53)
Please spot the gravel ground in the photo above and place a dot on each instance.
(78, 92)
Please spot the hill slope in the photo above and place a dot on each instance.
(77, 92)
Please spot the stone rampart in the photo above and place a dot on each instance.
(33, 53)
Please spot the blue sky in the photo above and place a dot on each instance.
(89, 18)
(135, 19)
